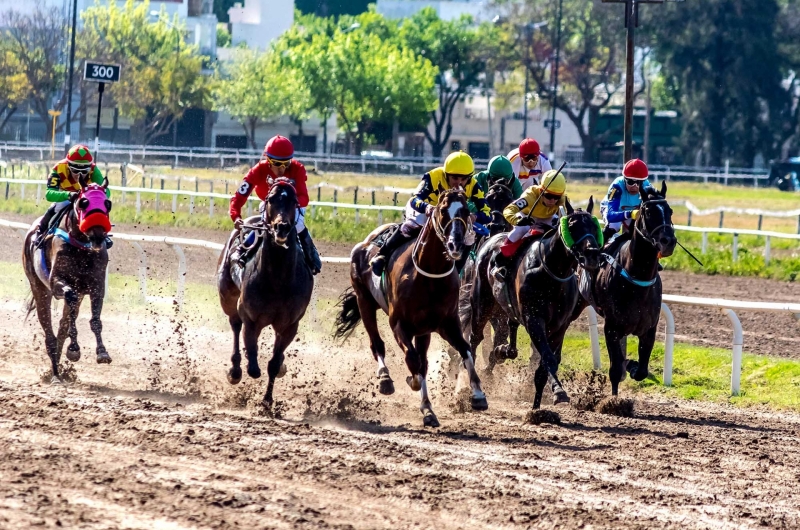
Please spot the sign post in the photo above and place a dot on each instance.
(100, 73)
(55, 114)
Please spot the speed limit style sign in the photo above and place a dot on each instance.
(101, 73)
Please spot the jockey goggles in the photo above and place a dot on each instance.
(551, 196)
(528, 158)
(464, 178)
(80, 170)
(632, 182)
(279, 163)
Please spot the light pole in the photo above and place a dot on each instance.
(68, 124)
(555, 81)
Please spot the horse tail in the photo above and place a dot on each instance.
(349, 316)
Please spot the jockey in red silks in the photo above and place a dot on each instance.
(278, 162)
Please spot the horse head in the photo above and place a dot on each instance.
(92, 209)
(498, 196)
(655, 220)
(452, 222)
(582, 235)
(280, 209)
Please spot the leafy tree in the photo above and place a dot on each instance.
(326, 8)
(162, 76)
(724, 57)
(14, 86)
(454, 47)
(250, 90)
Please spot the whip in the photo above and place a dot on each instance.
(564, 163)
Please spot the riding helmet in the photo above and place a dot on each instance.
(500, 167)
(635, 169)
(459, 163)
(279, 148)
(529, 147)
(79, 157)
(554, 182)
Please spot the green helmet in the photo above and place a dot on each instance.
(500, 168)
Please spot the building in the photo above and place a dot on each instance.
(259, 22)
(480, 10)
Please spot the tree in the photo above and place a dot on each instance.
(36, 42)
(454, 47)
(162, 76)
(724, 57)
(592, 48)
(249, 90)
(14, 86)
(326, 8)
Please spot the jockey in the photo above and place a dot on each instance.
(621, 203)
(544, 200)
(457, 172)
(528, 162)
(279, 162)
(499, 171)
(64, 180)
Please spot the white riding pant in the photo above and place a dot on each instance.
(299, 218)
(518, 232)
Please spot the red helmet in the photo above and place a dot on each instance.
(529, 147)
(79, 157)
(279, 148)
(635, 169)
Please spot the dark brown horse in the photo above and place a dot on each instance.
(541, 294)
(69, 265)
(419, 292)
(273, 289)
(627, 288)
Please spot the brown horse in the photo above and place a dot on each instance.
(69, 265)
(419, 292)
(273, 289)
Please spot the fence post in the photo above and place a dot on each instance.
(373, 197)
(138, 203)
(123, 169)
(394, 200)
(760, 219)
(704, 246)
(380, 217)
(22, 191)
(735, 248)
(736, 353)
(211, 206)
(355, 195)
(594, 338)
(721, 218)
(767, 251)
(38, 193)
(689, 219)
(798, 224)
(191, 204)
(669, 343)
(335, 199)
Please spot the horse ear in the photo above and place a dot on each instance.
(664, 189)
(643, 193)
(105, 183)
(570, 209)
(591, 204)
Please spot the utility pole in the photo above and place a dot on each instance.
(555, 80)
(631, 22)
(68, 123)
(528, 32)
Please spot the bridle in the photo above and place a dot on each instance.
(570, 249)
(650, 235)
(441, 232)
(266, 227)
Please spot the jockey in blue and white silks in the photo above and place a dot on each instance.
(623, 198)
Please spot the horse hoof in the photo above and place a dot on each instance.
(253, 371)
(235, 375)
(56, 380)
(281, 370)
(74, 355)
(430, 420)
(414, 383)
(386, 386)
(479, 403)
(560, 399)
(103, 358)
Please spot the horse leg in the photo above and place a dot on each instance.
(369, 318)
(615, 356)
(282, 341)
(96, 326)
(63, 328)
(548, 367)
(640, 370)
(513, 328)
(43, 299)
(416, 380)
(251, 333)
(451, 332)
(235, 373)
(72, 300)
(421, 344)
(560, 397)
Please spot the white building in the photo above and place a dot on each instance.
(481, 10)
(259, 22)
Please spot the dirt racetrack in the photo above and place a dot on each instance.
(158, 439)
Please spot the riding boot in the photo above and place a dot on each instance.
(613, 246)
(109, 242)
(310, 252)
(242, 251)
(502, 259)
(378, 263)
(44, 226)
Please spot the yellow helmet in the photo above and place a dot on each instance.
(554, 182)
(459, 163)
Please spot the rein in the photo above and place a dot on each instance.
(441, 233)
(540, 254)
(649, 237)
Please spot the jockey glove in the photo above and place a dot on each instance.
(524, 220)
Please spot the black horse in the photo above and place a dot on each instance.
(541, 293)
(626, 288)
(274, 287)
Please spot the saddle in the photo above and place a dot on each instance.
(381, 239)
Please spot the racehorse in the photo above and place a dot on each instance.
(419, 292)
(541, 293)
(626, 288)
(69, 265)
(272, 289)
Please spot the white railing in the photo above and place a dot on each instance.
(726, 306)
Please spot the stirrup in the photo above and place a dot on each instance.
(499, 273)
